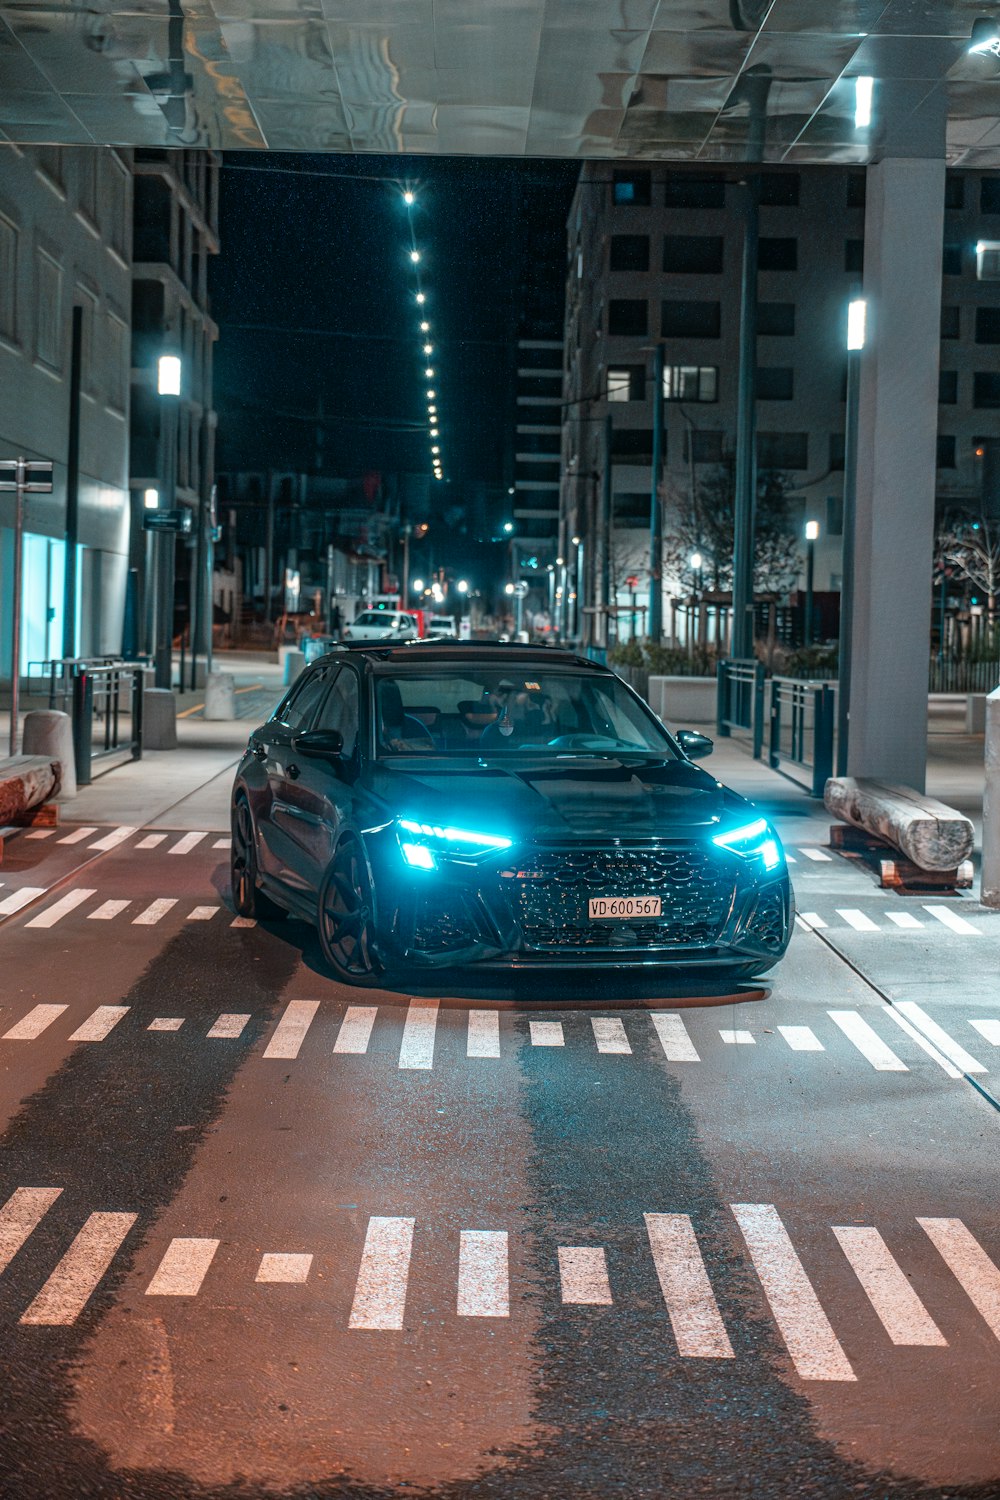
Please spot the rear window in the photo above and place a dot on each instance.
(374, 617)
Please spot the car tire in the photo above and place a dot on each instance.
(248, 899)
(345, 916)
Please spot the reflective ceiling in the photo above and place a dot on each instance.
(684, 80)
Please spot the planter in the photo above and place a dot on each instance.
(682, 702)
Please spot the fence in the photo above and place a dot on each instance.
(740, 702)
(802, 719)
(964, 676)
(107, 713)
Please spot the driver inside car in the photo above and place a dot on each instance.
(523, 716)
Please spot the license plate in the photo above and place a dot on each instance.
(622, 908)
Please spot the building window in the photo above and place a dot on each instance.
(988, 325)
(954, 191)
(691, 383)
(777, 254)
(986, 389)
(951, 261)
(8, 280)
(633, 444)
(950, 323)
(989, 195)
(856, 190)
(86, 160)
(48, 310)
(695, 192)
(776, 319)
(836, 450)
(704, 447)
(775, 384)
(690, 320)
(988, 260)
(782, 450)
(946, 453)
(854, 256)
(947, 387)
(117, 362)
(631, 188)
(50, 164)
(629, 252)
(628, 316)
(693, 254)
(627, 383)
(117, 208)
(779, 189)
(88, 362)
(834, 515)
(631, 509)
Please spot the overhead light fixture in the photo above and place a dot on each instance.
(435, 449)
(435, 432)
(429, 373)
(985, 36)
(428, 348)
(864, 89)
(425, 328)
(430, 395)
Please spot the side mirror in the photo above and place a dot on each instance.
(319, 742)
(695, 746)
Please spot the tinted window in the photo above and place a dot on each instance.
(341, 709)
(627, 316)
(779, 189)
(778, 254)
(695, 192)
(634, 443)
(950, 323)
(988, 325)
(304, 699)
(946, 452)
(989, 195)
(782, 450)
(948, 387)
(693, 254)
(631, 187)
(691, 320)
(986, 389)
(776, 319)
(775, 385)
(630, 252)
(952, 260)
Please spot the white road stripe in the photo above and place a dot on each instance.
(738, 1038)
(990, 1030)
(953, 920)
(546, 1034)
(183, 1268)
(937, 1034)
(677, 1045)
(904, 919)
(278, 1266)
(99, 1025)
(691, 1305)
(815, 854)
(113, 839)
(40, 833)
(969, 1264)
(417, 1049)
(790, 860)
(868, 1043)
(812, 919)
(802, 1323)
(166, 1023)
(801, 922)
(151, 841)
(583, 1275)
(12, 903)
(380, 1290)
(223, 844)
(802, 1039)
(484, 1034)
(610, 1034)
(78, 835)
(34, 1023)
(187, 843)
(20, 1216)
(857, 919)
(290, 1032)
(76, 1277)
(925, 1046)
(203, 913)
(154, 912)
(243, 922)
(483, 1278)
(61, 908)
(228, 1026)
(356, 1029)
(903, 1315)
(107, 911)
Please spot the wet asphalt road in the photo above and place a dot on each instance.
(493, 1383)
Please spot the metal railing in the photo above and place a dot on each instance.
(802, 719)
(740, 702)
(52, 678)
(107, 713)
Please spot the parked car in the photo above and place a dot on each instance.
(441, 627)
(383, 625)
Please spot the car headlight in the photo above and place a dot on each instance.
(420, 843)
(756, 840)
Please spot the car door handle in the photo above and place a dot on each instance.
(293, 772)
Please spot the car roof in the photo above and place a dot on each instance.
(415, 654)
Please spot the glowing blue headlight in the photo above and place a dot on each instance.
(420, 841)
(419, 856)
(754, 840)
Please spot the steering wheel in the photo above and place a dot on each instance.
(583, 742)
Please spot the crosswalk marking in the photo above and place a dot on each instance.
(417, 1047)
(154, 912)
(857, 919)
(77, 1275)
(107, 911)
(814, 1347)
(113, 839)
(815, 854)
(989, 1030)
(78, 835)
(356, 1029)
(151, 841)
(802, 1039)
(279, 1266)
(380, 1290)
(183, 1268)
(99, 1025)
(243, 922)
(868, 1043)
(61, 908)
(290, 1032)
(40, 833)
(583, 1276)
(34, 1023)
(677, 1045)
(953, 920)
(691, 1306)
(483, 1279)
(904, 919)
(20, 1217)
(905, 1024)
(228, 1026)
(202, 913)
(14, 902)
(969, 1264)
(187, 843)
(903, 1315)
(484, 1034)
(166, 1023)
(738, 1038)
(936, 1034)
(222, 844)
(546, 1034)
(610, 1034)
(812, 919)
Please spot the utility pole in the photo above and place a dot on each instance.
(656, 505)
(604, 540)
(746, 435)
(30, 477)
(72, 486)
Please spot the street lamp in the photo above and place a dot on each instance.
(856, 320)
(696, 562)
(150, 499)
(168, 386)
(462, 586)
(812, 532)
(418, 585)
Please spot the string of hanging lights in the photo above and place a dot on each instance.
(425, 336)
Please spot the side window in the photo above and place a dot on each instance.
(341, 709)
(304, 699)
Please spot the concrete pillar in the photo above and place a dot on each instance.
(220, 696)
(990, 895)
(897, 440)
(50, 733)
(159, 719)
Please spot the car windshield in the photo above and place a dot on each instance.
(455, 709)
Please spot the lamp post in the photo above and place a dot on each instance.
(696, 563)
(855, 344)
(168, 386)
(812, 532)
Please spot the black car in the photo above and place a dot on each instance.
(454, 804)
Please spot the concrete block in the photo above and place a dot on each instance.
(220, 696)
(50, 733)
(682, 702)
(159, 719)
(975, 713)
(292, 662)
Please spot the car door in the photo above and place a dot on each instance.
(271, 748)
(323, 785)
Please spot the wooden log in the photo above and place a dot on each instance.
(930, 834)
(26, 781)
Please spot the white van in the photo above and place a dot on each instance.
(441, 626)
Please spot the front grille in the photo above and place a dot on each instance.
(550, 891)
(767, 925)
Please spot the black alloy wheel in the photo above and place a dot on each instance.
(248, 899)
(346, 915)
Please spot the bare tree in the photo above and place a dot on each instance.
(969, 544)
(706, 525)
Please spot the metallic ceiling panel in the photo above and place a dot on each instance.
(847, 17)
(289, 126)
(287, 60)
(787, 55)
(685, 53)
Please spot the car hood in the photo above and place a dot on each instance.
(582, 796)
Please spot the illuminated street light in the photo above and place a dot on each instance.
(431, 395)
(508, 588)
(421, 298)
(414, 256)
(863, 91)
(856, 324)
(428, 348)
(409, 197)
(435, 432)
(462, 586)
(150, 499)
(417, 585)
(425, 328)
(168, 375)
(696, 560)
(508, 527)
(435, 449)
(429, 373)
(812, 530)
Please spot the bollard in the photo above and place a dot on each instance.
(49, 732)
(220, 696)
(990, 887)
